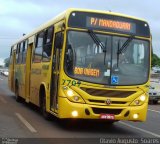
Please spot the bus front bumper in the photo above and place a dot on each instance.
(68, 109)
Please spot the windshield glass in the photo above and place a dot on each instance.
(87, 61)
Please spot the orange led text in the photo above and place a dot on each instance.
(87, 71)
(110, 24)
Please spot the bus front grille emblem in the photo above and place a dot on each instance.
(108, 101)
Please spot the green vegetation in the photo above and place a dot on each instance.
(155, 60)
(6, 62)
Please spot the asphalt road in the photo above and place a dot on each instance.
(21, 120)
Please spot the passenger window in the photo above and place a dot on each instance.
(47, 49)
(11, 55)
(17, 51)
(59, 40)
(24, 53)
(38, 47)
(20, 53)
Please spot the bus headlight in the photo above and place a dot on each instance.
(139, 101)
(142, 98)
(70, 93)
(73, 96)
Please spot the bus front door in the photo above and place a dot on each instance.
(55, 71)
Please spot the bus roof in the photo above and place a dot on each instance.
(65, 15)
(104, 12)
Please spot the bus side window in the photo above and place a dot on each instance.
(58, 40)
(58, 43)
(24, 52)
(11, 55)
(20, 53)
(47, 48)
(38, 47)
(17, 53)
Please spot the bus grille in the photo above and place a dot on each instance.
(106, 111)
(108, 93)
(104, 102)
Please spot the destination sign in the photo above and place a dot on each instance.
(110, 24)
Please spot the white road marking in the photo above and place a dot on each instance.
(3, 100)
(145, 131)
(154, 110)
(27, 124)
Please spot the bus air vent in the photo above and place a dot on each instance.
(102, 101)
(106, 111)
(108, 93)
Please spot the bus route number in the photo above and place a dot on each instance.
(71, 82)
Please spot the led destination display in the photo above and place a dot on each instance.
(110, 24)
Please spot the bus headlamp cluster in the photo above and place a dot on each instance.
(140, 100)
(73, 96)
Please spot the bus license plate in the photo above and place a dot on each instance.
(107, 116)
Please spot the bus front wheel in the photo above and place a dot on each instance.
(45, 114)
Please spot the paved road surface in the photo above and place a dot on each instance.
(21, 120)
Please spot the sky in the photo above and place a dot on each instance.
(1, 62)
(23, 16)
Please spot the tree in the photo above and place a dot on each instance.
(155, 61)
(6, 62)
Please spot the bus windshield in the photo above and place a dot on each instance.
(86, 61)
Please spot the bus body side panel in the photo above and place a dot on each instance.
(35, 81)
(28, 71)
(46, 80)
(20, 75)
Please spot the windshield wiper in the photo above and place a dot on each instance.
(123, 47)
(98, 42)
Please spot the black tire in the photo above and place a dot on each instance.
(155, 101)
(45, 114)
(18, 98)
(66, 123)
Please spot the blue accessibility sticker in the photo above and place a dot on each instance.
(114, 79)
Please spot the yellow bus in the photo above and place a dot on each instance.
(85, 64)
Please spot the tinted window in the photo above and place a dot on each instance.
(11, 55)
(85, 60)
(47, 49)
(18, 54)
(24, 53)
(38, 47)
